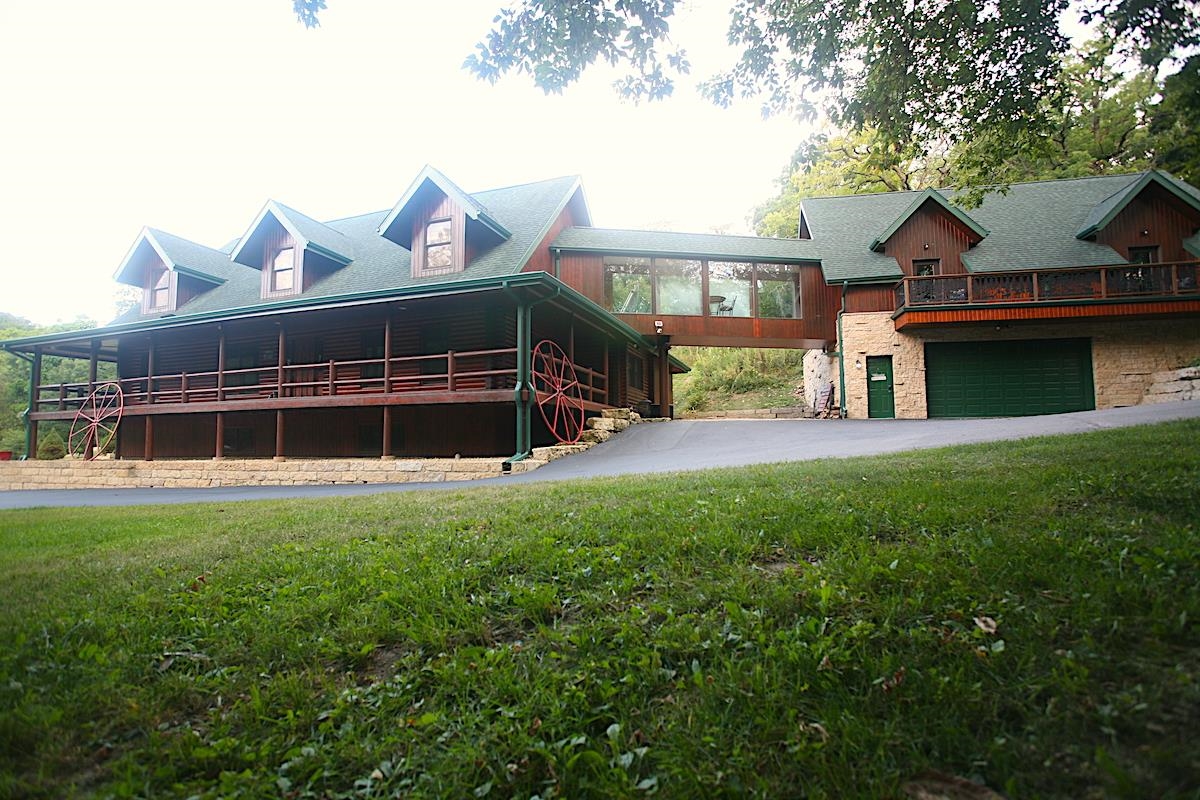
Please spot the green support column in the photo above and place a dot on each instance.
(524, 390)
(35, 378)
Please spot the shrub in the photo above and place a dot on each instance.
(51, 446)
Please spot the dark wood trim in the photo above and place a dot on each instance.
(278, 433)
(386, 448)
(219, 449)
(148, 441)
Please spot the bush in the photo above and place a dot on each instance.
(732, 371)
(51, 446)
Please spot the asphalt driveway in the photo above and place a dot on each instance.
(676, 446)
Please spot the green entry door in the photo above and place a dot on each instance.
(881, 397)
(1009, 379)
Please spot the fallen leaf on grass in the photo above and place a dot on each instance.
(986, 624)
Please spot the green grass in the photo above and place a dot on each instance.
(799, 630)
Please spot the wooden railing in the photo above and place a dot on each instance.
(468, 371)
(1052, 285)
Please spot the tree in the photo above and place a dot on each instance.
(1101, 125)
(14, 376)
(1176, 123)
(957, 71)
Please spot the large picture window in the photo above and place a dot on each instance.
(777, 288)
(627, 285)
(677, 286)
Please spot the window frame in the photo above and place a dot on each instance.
(1153, 251)
(275, 271)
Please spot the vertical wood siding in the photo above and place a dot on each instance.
(1166, 221)
(930, 225)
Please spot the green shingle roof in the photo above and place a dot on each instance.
(397, 225)
(695, 245)
(380, 265)
(1032, 225)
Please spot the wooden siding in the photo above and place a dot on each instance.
(542, 260)
(874, 297)
(945, 236)
(1167, 223)
(277, 238)
(919, 318)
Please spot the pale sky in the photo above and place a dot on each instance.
(188, 117)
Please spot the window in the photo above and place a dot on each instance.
(729, 288)
(639, 285)
(1143, 255)
(627, 284)
(677, 286)
(283, 270)
(924, 267)
(160, 292)
(635, 372)
(778, 288)
(439, 250)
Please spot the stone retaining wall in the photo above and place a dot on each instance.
(790, 412)
(1173, 385)
(107, 473)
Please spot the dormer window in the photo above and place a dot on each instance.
(160, 291)
(283, 270)
(439, 250)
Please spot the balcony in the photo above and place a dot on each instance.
(1117, 290)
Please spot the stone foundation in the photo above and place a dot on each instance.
(108, 473)
(1125, 355)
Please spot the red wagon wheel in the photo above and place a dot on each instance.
(96, 421)
(557, 390)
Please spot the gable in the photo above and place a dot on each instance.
(431, 188)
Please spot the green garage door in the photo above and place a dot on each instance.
(1009, 379)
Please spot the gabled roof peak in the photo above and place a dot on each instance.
(177, 254)
(397, 225)
(1107, 209)
(307, 232)
(920, 199)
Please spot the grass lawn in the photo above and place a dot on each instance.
(1023, 615)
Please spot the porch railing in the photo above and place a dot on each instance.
(460, 372)
(1119, 281)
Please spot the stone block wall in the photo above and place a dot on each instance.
(112, 474)
(1125, 355)
(1174, 385)
(820, 369)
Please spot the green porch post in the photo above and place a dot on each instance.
(35, 378)
(523, 391)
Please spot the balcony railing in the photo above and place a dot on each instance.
(1116, 282)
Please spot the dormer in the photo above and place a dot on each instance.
(930, 236)
(1153, 219)
(443, 226)
(291, 250)
(170, 271)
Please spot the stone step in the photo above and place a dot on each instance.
(608, 424)
(558, 451)
(618, 413)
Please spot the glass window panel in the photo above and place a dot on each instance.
(283, 270)
(778, 291)
(627, 284)
(438, 256)
(678, 285)
(161, 298)
(438, 232)
(729, 288)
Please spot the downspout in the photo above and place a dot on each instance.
(524, 391)
(842, 355)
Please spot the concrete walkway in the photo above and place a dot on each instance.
(676, 446)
